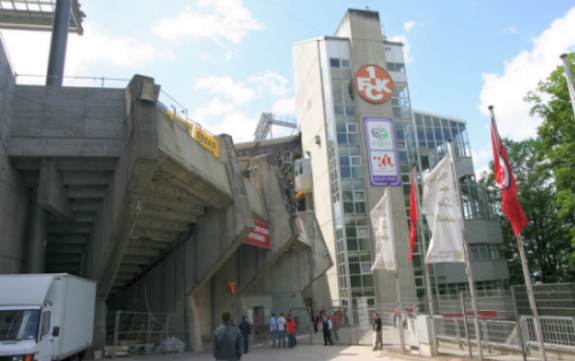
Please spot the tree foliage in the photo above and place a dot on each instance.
(547, 242)
(551, 102)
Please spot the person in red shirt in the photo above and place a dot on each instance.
(291, 331)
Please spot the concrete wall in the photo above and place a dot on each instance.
(67, 122)
(311, 112)
(13, 195)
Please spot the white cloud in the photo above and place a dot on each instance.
(284, 107)
(513, 30)
(226, 87)
(95, 47)
(237, 124)
(481, 159)
(214, 20)
(406, 46)
(215, 108)
(521, 74)
(408, 25)
(270, 83)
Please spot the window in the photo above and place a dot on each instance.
(46, 324)
(334, 62)
(344, 63)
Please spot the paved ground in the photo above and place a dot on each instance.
(301, 352)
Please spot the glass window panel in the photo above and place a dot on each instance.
(356, 172)
(366, 267)
(367, 281)
(347, 196)
(351, 232)
(345, 172)
(418, 119)
(355, 281)
(334, 62)
(362, 232)
(345, 63)
(354, 269)
(352, 127)
(364, 244)
(350, 110)
(344, 161)
(359, 196)
(348, 207)
(353, 138)
(355, 161)
(351, 244)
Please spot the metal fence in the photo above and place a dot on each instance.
(141, 332)
(503, 329)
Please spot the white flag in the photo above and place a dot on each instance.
(443, 214)
(381, 219)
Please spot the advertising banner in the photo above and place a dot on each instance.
(443, 214)
(260, 235)
(384, 236)
(382, 152)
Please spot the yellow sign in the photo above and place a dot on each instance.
(207, 141)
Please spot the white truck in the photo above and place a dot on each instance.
(45, 317)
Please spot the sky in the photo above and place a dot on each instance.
(227, 61)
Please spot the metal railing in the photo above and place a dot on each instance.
(141, 331)
(74, 81)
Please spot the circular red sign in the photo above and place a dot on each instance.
(373, 83)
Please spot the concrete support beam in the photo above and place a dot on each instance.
(51, 193)
(192, 312)
(171, 215)
(163, 224)
(86, 192)
(37, 240)
(142, 252)
(154, 235)
(67, 239)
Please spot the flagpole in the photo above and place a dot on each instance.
(397, 283)
(569, 77)
(398, 297)
(527, 278)
(468, 269)
(428, 288)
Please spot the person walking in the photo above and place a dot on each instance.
(282, 323)
(274, 330)
(396, 313)
(326, 326)
(246, 329)
(228, 340)
(291, 331)
(377, 328)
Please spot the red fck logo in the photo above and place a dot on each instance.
(373, 83)
(384, 161)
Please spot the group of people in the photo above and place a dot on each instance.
(282, 330)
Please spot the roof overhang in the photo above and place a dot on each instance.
(36, 15)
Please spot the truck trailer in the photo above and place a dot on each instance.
(45, 317)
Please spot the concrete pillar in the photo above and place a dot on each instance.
(37, 240)
(55, 76)
(100, 326)
(193, 323)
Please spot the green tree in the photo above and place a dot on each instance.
(551, 102)
(547, 242)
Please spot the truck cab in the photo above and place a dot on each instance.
(33, 311)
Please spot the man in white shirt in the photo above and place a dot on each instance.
(282, 330)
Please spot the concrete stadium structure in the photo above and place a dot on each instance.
(106, 184)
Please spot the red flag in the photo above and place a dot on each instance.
(505, 180)
(413, 214)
